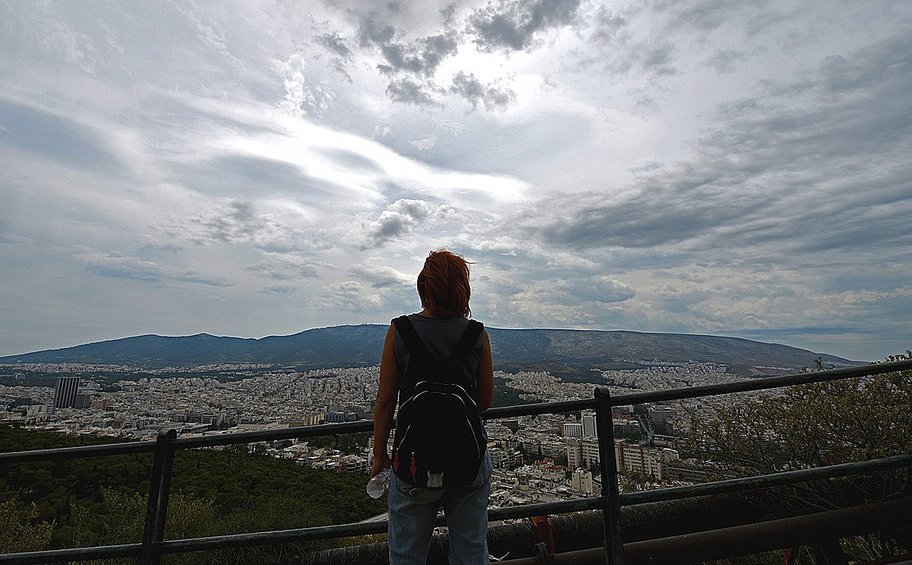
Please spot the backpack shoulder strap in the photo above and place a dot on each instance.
(409, 336)
(468, 340)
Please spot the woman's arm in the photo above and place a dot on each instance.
(485, 375)
(385, 406)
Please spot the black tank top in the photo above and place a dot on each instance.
(439, 336)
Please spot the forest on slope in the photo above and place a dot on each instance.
(100, 501)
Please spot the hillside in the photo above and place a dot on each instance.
(213, 492)
(514, 349)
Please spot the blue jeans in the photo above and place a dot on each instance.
(412, 512)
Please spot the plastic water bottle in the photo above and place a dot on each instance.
(378, 485)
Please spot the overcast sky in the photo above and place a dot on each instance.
(728, 167)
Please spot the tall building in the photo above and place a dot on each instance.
(581, 451)
(588, 425)
(574, 453)
(66, 391)
(590, 451)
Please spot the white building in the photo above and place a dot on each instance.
(581, 481)
(588, 422)
(590, 451)
(551, 448)
(36, 411)
(641, 458)
(582, 452)
(499, 458)
(572, 429)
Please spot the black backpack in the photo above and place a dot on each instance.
(439, 441)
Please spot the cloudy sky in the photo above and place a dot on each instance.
(729, 167)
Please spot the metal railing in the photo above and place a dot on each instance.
(154, 545)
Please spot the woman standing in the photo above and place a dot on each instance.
(440, 333)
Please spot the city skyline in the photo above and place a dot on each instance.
(713, 167)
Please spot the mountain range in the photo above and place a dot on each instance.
(555, 350)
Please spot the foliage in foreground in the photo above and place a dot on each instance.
(102, 501)
(817, 425)
(20, 529)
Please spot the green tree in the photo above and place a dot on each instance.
(817, 425)
(20, 528)
(810, 426)
(213, 492)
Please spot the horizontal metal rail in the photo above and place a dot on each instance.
(273, 435)
(299, 535)
(536, 408)
(80, 452)
(763, 481)
(72, 554)
(367, 528)
(747, 538)
(761, 383)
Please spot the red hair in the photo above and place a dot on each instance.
(443, 285)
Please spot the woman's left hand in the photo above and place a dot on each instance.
(379, 464)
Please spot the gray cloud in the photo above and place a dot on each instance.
(472, 89)
(238, 175)
(383, 277)
(334, 43)
(659, 58)
(372, 30)
(515, 24)
(671, 209)
(121, 268)
(196, 278)
(240, 222)
(707, 15)
(286, 269)
(607, 25)
(613, 47)
(236, 222)
(793, 165)
(419, 58)
(595, 289)
(399, 218)
(407, 90)
(351, 296)
(341, 53)
(158, 248)
(448, 14)
(410, 65)
(403, 217)
(724, 60)
(279, 290)
(56, 138)
(131, 268)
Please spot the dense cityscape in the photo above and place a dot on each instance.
(536, 458)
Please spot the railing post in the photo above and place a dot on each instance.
(611, 512)
(159, 489)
